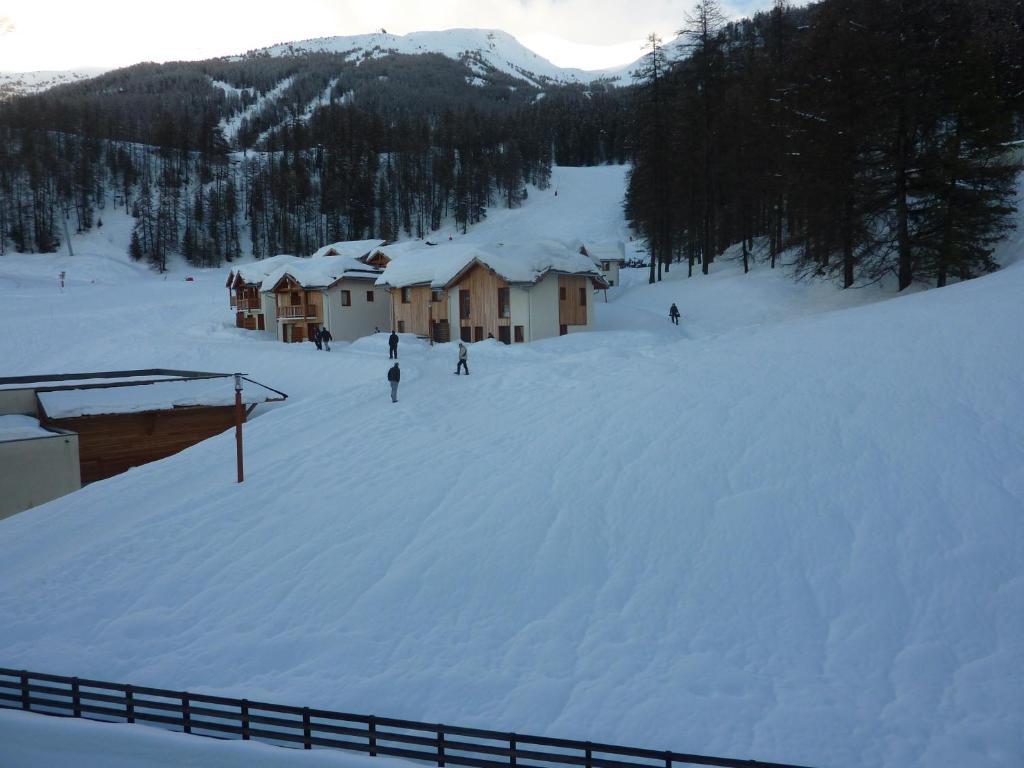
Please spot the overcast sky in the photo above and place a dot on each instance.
(63, 34)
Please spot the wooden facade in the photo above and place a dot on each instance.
(483, 306)
(114, 443)
(573, 296)
(421, 310)
(299, 309)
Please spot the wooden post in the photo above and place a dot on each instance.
(245, 719)
(373, 736)
(440, 746)
(307, 734)
(589, 756)
(186, 716)
(25, 704)
(512, 749)
(129, 704)
(76, 699)
(239, 417)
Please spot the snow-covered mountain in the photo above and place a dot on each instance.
(485, 47)
(21, 83)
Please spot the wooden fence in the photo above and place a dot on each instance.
(223, 717)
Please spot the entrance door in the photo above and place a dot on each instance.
(504, 334)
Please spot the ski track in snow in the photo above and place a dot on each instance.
(789, 529)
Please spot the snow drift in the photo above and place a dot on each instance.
(787, 534)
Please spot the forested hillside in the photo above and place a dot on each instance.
(870, 137)
(283, 153)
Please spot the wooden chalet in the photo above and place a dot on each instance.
(512, 293)
(335, 292)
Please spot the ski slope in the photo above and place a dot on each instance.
(789, 529)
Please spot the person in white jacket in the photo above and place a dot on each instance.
(463, 353)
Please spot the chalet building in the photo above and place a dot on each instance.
(608, 257)
(511, 292)
(336, 292)
(253, 310)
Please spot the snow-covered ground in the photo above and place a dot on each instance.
(790, 529)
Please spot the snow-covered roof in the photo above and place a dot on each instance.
(257, 271)
(18, 427)
(321, 272)
(525, 262)
(606, 251)
(155, 396)
(354, 248)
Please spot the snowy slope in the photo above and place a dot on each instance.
(22, 83)
(492, 47)
(790, 529)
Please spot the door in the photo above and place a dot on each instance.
(504, 334)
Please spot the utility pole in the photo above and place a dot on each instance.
(239, 417)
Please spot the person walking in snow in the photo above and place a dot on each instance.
(461, 365)
(393, 346)
(326, 338)
(394, 376)
(317, 339)
(673, 314)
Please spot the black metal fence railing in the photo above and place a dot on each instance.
(224, 717)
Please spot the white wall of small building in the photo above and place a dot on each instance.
(543, 308)
(37, 470)
(362, 317)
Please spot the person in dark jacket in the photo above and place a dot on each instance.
(673, 314)
(393, 346)
(394, 376)
(463, 353)
(326, 338)
(317, 339)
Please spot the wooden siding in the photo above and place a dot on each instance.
(570, 312)
(483, 285)
(417, 313)
(113, 443)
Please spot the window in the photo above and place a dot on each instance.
(561, 293)
(346, 298)
(605, 266)
(437, 296)
(583, 297)
(369, 297)
(478, 333)
(405, 296)
(464, 304)
(504, 305)
(401, 326)
(504, 334)
(519, 334)
(466, 333)
(295, 299)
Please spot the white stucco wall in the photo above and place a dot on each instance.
(18, 401)
(544, 308)
(362, 317)
(268, 301)
(519, 304)
(36, 470)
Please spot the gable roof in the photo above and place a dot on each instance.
(321, 272)
(606, 251)
(354, 248)
(522, 263)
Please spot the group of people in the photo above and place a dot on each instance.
(322, 338)
(395, 373)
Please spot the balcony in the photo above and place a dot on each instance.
(249, 305)
(299, 312)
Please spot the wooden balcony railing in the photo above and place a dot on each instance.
(299, 311)
(250, 305)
